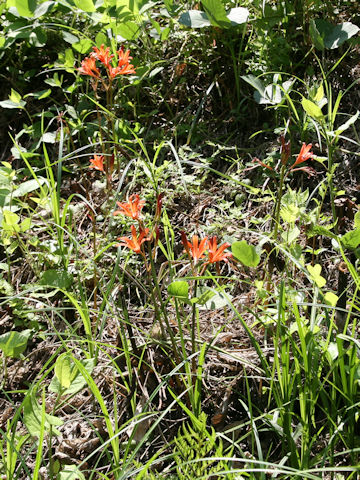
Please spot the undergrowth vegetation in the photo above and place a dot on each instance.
(179, 240)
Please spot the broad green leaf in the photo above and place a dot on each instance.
(208, 299)
(26, 8)
(28, 186)
(63, 370)
(43, 8)
(85, 5)
(10, 104)
(291, 235)
(4, 193)
(77, 380)
(32, 417)
(10, 220)
(179, 288)
(332, 351)
(194, 19)
(335, 35)
(6, 287)
(15, 101)
(71, 472)
(216, 13)
(25, 224)
(331, 299)
(315, 35)
(13, 344)
(55, 81)
(254, 82)
(238, 15)
(313, 110)
(39, 95)
(84, 45)
(315, 274)
(69, 37)
(128, 30)
(357, 220)
(351, 240)
(38, 37)
(290, 213)
(56, 279)
(49, 137)
(101, 39)
(131, 5)
(15, 96)
(245, 253)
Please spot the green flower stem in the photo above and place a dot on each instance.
(331, 186)
(276, 217)
(193, 325)
(162, 312)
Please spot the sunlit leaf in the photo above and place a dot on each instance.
(63, 370)
(331, 298)
(85, 5)
(26, 8)
(33, 415)
(245, 253)
(315, 274)
(179, 288)
(56, 279)
(313, 110)
(77, 381)
(13, 344)
(216, 13)
(351, 240)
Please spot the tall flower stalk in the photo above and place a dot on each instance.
(100, 66)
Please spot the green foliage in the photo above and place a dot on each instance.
(199, 453)
(13, 344)
(326, 35)
(36, 419)
(245, 253)
(56, 279)
(68, 379)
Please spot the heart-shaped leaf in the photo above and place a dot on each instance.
(245, 253)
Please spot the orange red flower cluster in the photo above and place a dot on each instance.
(132, 208)
(102, 54)
(197, 250)
(134, 243)
(304, 155)
(99, 163)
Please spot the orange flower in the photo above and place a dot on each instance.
(103, 55)
(304, 155)
(97, 163)
(123, 67)
(88, 67)
(194, 249)
(132, 208)
(135, 242)
(217, 254)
